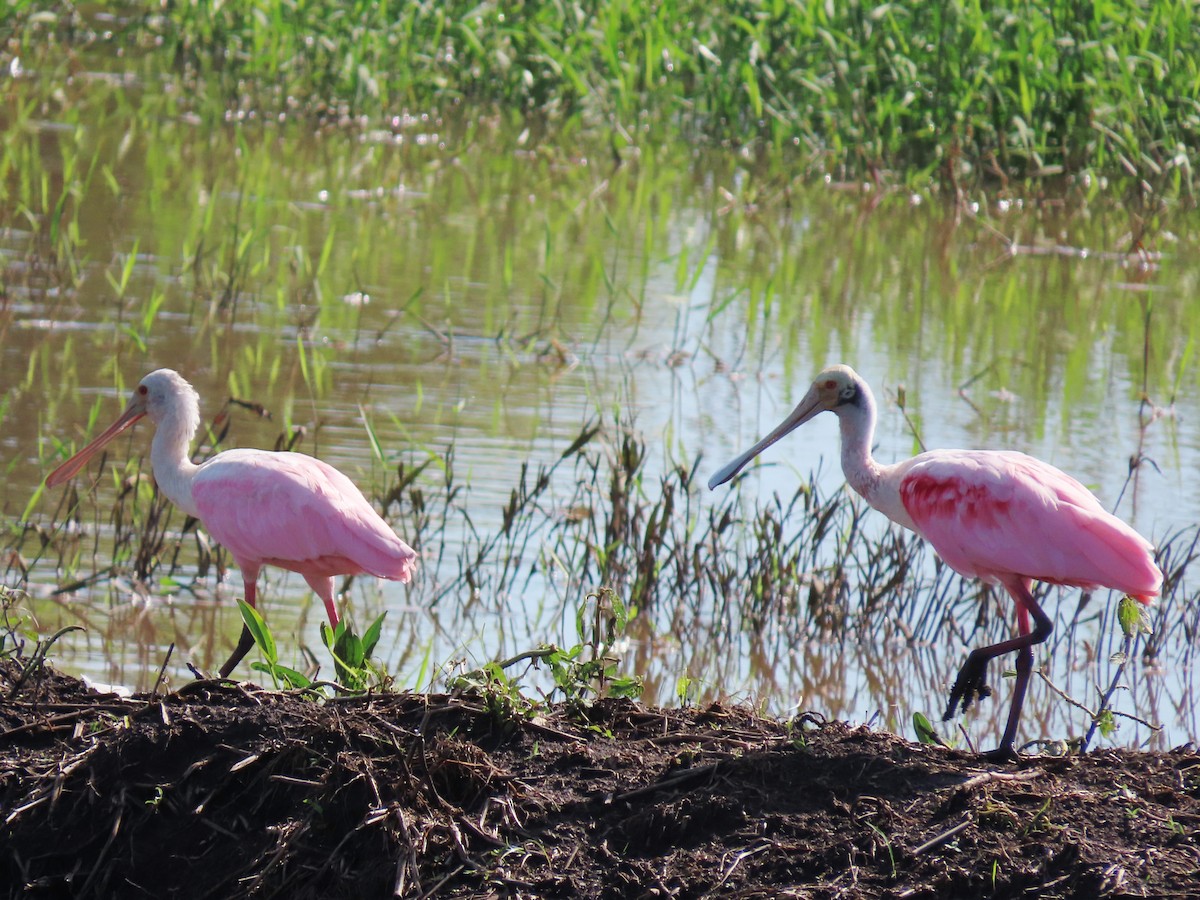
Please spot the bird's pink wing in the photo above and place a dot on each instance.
(294, 511)
(996, 515)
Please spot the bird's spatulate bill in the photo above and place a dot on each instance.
(68, 469)
(805, 410)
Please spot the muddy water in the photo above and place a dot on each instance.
(459, 285)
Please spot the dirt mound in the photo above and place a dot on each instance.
(222, 790)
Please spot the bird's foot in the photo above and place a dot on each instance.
(969, 686)
(1006, 752)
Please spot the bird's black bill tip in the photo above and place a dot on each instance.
(726, 473)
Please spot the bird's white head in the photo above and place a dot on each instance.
(163, 395)
(837, 389)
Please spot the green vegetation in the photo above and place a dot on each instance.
(355, 671)
(960, 91)
(265, 640)
(15, 637)
(352, 654)
(580, 674)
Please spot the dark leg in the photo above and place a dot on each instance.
(244, 645)
(970, 684)
(971, 677)
(1043, 628)
(246, 641)
(1007, 750)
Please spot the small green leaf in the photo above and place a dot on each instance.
(926, 733)
(259, 631)
(683, 690)
(620, 612)
(330, 636)
(293, 678)
(580, 628)
(281, 673)
(372, 438)
(371, 638)
(626, 686)
(348, 648)
(37, 495)
(1129, 614)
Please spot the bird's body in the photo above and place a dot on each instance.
(279, 509)
(995, 515)
(297, 513)
(1003, 517)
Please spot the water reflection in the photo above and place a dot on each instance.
(502, 298)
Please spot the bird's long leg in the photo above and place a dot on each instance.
(323, 586)
(246, 641)
(1026, 607)
(970, 682)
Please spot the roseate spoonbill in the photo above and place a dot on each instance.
(1003, 517)
(280, 509)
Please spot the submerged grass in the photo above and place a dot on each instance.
(961, 91)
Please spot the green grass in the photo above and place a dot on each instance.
(962, 91)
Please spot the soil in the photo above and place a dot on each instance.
(226, 790)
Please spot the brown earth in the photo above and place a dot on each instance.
(223, 790)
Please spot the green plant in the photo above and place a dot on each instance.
(355, 671)
(1041, 819)
(352, 654)
(926, 733)
(156, 800)
(685, 691)
(280, 674)
(500, 692)
(1133, 623)
(580, 674)
(12, 639)
(854, 89)
(887, 844)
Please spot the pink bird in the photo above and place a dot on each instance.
(1005, 518)
(280, 509)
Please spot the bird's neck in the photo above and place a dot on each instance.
(857, 423)
(173, 470)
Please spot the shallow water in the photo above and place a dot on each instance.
(461, 288)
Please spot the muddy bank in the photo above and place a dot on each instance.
(222, 790)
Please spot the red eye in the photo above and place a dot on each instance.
(143, 390)
(830, 384)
